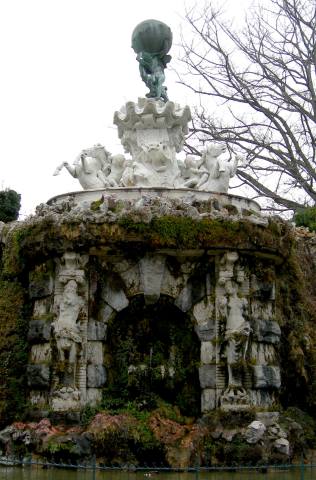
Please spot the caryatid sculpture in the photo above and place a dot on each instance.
(152, 40)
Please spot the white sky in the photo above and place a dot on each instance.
(66, 66)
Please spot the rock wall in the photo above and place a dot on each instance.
(217, 267)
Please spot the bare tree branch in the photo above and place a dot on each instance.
(264, 80)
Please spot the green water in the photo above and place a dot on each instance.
(38, 473)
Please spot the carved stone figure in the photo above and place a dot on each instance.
(91, 168)
(66, 328)
(128, 177)
(117, 169)
(237, 331)
(232, 304)
(191, 172)
(152, 132)
(152, 40)
(216, 172)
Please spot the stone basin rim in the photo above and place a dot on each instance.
(131, 193)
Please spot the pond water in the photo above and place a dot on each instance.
(38, 473)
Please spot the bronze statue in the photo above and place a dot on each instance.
(152, 40)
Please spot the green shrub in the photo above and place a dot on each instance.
(306, 218)
(10, 203)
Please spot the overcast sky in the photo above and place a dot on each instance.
(66, 66)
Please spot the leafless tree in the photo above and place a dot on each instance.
(263, 80)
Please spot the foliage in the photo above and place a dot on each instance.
(296, 313)
(239, 452)
(13, 350)
(10, 203)
(303, 420)
(129, 439)
(151, 352)
(306, 218)
(262, 80)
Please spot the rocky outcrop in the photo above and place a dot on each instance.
(156, 439)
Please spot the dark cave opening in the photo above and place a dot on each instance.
(152, 351)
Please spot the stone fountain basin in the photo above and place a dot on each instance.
(85, 197)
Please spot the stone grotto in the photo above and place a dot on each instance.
(152, 279)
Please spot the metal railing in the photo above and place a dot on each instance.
(28, 468)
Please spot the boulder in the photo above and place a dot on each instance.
(255, 432)
(282, 445)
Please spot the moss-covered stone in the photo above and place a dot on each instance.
(296, 313)
(13, 350)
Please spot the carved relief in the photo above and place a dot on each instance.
(70, 332)
(232, 309)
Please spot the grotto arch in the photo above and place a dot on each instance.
(152, 352)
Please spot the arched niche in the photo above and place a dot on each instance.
(151, 352)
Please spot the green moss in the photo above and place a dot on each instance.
(13, 350)
(295, 301)
(239, 452)
(129, 439)
(151, 352)
(95, 206)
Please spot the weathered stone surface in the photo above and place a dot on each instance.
(38, 376)
(94, 396)
(39, 331)
(96, 376)
(267, 331)
(65, 399)
(229, 435)
(152, 270)
(262, 398)
(266, 376)
(114, 295)
(130, 274)
(263, 353)
(95, 353)
(106, 313)
(72, 417)
(255, 431)
(282, 445)
(175, 277)
(41, 307)
(203, 313)
(207, 375)
(96, 330)
(38, 399)
(207, 352)
(41, 353)
(78, 445)
(192, 293)
(268, 418)
(208, 400)
(40, 285)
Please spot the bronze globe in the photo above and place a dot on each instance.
(152, 36)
